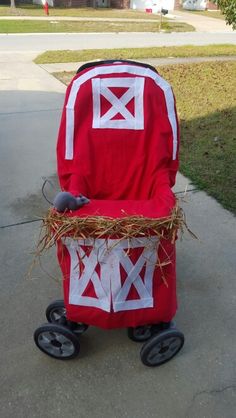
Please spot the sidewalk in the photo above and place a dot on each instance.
(73, 66)
(80, 19)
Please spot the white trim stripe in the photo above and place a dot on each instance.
(118, 69)
(69, 134)
(96, 83)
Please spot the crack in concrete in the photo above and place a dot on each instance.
(29, 111)
(21, 223)
(208, 392)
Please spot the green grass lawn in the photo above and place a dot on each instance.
(206, 101)
(136, 53)
(41, 26)
(206, 104)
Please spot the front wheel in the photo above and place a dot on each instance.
(57, 341)
(162, 348)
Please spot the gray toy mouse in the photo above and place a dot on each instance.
(66, 201)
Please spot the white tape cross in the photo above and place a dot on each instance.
(102, 87)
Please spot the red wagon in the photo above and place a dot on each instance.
(117, 145)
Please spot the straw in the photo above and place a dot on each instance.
(59, 225)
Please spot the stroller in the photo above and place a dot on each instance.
(117, 146)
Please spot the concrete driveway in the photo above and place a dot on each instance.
(108, 379)
(202, 23)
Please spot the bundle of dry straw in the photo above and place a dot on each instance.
(57, 226)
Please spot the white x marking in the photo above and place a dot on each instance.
(143, 287)
(79, 280)
(118, 105)
(101, 87)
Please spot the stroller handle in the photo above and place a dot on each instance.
(106, 62)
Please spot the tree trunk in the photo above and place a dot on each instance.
(13, 5)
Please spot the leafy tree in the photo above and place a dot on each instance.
(228, 8)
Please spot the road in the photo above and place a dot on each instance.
(42, 42)
(108, 379)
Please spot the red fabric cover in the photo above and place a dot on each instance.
(153, 208)
(165, 303)
(115, 164)
(123, 172)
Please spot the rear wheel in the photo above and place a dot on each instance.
(56, 314)
(57, 341)
(145, 332)
(140, 334)
(56, 311)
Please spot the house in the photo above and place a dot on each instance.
(198, 5)
(154, 5)
(115, 4)
(126, 4)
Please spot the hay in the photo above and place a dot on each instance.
(57, 226)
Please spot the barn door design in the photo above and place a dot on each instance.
(118, 116)
(112, 274)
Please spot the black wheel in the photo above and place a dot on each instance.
(140, 334)
(56, 311)
(57, 341)
(56, 314)
(162, 347)
(145, 332)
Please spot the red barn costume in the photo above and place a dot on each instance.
(118, 146)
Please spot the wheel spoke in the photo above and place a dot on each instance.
(46, 345)
(155, 353)
(172, 340)
(174, 347)
(47, 337)
(158, 357)
(154, 358)
(57, 314)
(67, 349)
(62, 339)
